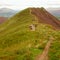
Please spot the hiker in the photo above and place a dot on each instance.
(32, 27)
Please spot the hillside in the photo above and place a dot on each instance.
(46, 18)
(19, 42)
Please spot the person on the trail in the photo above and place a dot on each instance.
(32, 27)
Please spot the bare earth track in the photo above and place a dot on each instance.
(44, 55)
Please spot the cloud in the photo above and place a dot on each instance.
(6, 5)
(21, 4)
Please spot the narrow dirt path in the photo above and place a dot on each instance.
(44, 55)
(40, 15)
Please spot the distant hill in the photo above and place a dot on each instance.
(25, 35)
(6, 12)
(54, 11)
(3, 19)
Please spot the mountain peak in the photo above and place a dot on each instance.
(45, 17)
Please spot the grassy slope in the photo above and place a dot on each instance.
(54, 52)
(18, 41)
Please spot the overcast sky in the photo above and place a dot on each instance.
(22, 4)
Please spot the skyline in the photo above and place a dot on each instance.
(22, 4)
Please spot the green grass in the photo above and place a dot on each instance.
(54, 52)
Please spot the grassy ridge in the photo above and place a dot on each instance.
(16, 38)
(18, 42)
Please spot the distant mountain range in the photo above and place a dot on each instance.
(6, 12)
(54, 11)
